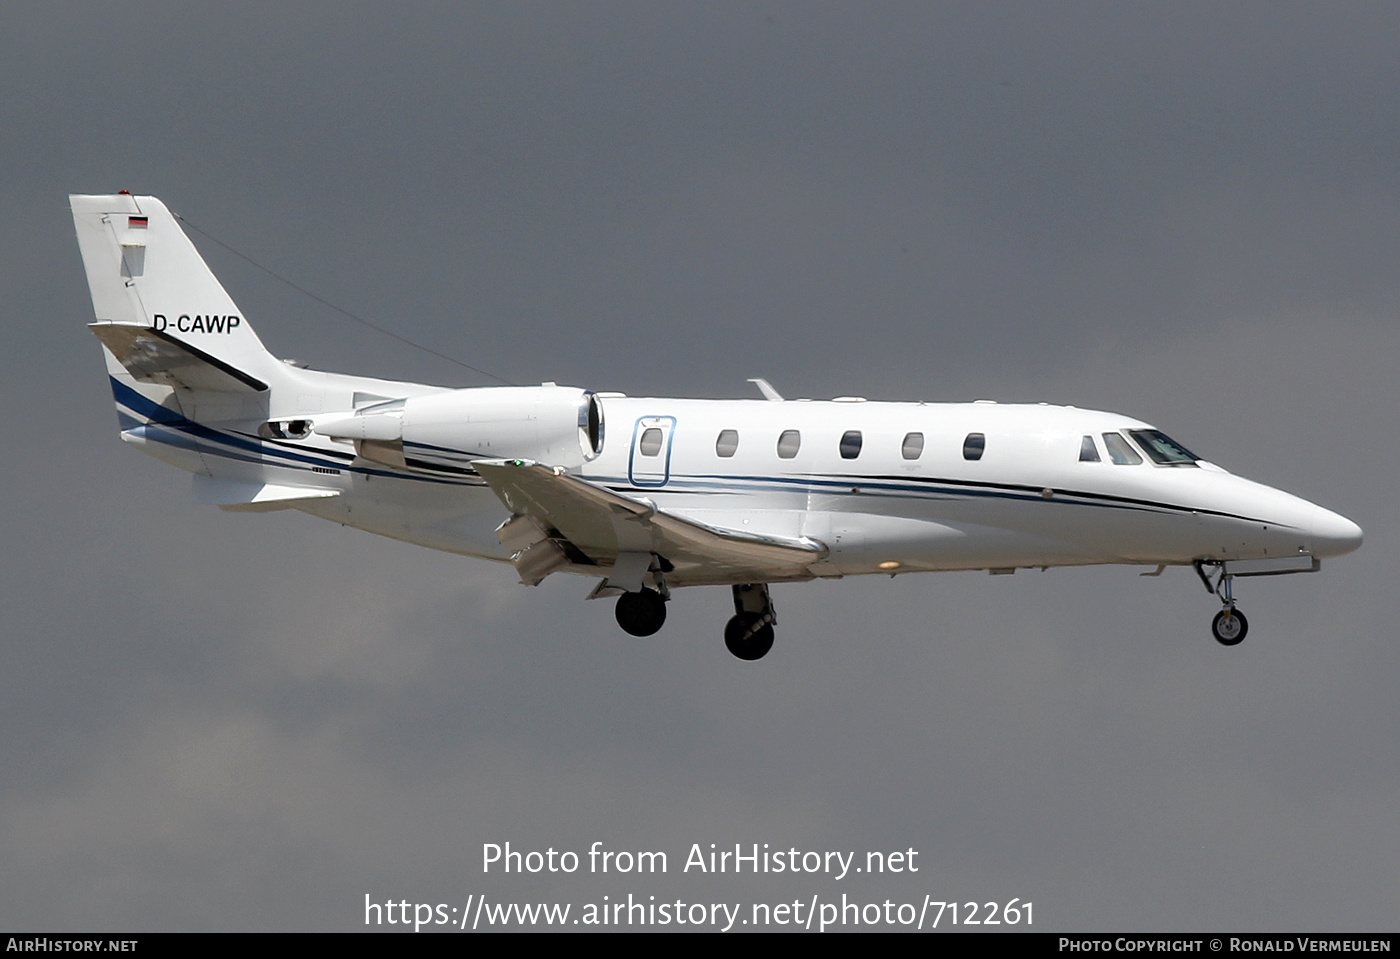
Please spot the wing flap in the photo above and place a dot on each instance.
(601, 524)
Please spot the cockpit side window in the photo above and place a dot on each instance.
(1088, 452)
(1119, 451)
(1164, 450)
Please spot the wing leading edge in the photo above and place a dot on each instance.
(560, 519)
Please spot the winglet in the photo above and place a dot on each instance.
(766, 388)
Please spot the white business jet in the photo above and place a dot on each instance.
(647, 495)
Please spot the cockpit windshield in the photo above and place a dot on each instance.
(1164, 450)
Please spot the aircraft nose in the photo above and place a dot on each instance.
(1333, 534)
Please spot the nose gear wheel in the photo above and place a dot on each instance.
(1229, 627)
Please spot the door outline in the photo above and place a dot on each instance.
(652, 478)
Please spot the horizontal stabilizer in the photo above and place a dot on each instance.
(602, 524)
(154, 356)
(253, 497)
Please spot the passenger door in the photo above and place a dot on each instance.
(649, 463)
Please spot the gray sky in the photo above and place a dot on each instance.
(1186, 213)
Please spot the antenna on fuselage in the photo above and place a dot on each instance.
(766, 388)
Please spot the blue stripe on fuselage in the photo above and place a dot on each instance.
(928, 489)
(176, 424)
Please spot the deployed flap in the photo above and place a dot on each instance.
(154, 356)
(601, 524)
(252, 496)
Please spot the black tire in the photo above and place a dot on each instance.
(755, 646)
(641, 613)
(1229, 627)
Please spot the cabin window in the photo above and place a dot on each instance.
(651, 442)
(1164, 450)
(788, 444)
(913, 446)
(974, 445)
(850, 444)
(1088, 452)
(1119, 451)
(727, 443)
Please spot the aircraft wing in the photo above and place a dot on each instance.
(560, 518)
(153, 356)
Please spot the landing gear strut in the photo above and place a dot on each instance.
(641, 613)
(1229, 626)
(749, 632)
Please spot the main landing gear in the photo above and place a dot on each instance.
(1229, 626)
(748, 634)
(641, 613)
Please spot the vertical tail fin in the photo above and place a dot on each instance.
(193, 384)
(159, 308)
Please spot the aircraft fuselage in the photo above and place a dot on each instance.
(649, 494)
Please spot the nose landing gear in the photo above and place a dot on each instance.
(1229, 626)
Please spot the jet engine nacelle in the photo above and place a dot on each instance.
(558, 425)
